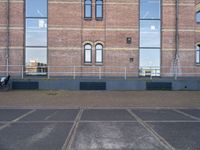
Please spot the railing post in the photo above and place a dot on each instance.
(22, 72)
(99, 72)
(74, 73)
(48, 72)
(125, 73)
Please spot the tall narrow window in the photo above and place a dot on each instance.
(88, 53)
(99, 9)
(150, 37)
(36, 37)
(88, 9)
(198, 54)
(198, 17)
(99, 53)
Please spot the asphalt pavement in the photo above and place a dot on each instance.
(124, 128)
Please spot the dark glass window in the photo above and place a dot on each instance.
(198, 54)
(88, 53)
(149, 9)
(99, 53)
(36, 8)
(36, 37)
(198, 17)
(88, 9)
(99, 9)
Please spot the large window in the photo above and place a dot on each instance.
(99, 53)
(150, 37)
(99, 9)
(198, 54)
(88, 9)
(88, 53)
(36, 37)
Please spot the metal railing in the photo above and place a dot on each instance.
(100, 71)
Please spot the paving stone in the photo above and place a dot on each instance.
(106, 115)
(34, 136)
(159, 115)
(114, 136)
(52, 115)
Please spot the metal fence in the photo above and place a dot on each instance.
(100, 71)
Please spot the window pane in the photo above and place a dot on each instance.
(149, 33)
(150, 62)
(36, 32)
(197, 57)
(88, 46)
(149, 57)
(150, 9)
(88, 8)
(36, 8)
(99, 46)
(99, 11)
(99, 8)
(36, 61)
(99, 56)
(88, 55)
(198, 17)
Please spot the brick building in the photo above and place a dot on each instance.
(138, 37)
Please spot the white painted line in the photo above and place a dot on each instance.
(17, 119)
(186, 114)
(44, 122)
(172, 121)
(106, 121)
(37, 107)
(155, 134)
(72, 133)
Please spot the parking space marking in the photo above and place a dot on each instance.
(17, 119)
(186, 114)
(178, 121)
(155, 134)
(72, 133)
(44, 122)
(114, 121)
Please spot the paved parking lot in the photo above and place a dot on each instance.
(100, 129)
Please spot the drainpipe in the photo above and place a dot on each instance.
(176, 58)
(8, 36)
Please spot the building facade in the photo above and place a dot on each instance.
(107, 37)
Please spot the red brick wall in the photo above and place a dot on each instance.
(68, 31)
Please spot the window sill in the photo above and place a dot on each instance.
(87, 19)
(99, 64)
(197, 64)
(99, 19)
(88, 64)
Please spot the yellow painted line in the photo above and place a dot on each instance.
(11, 1)
(120, 49)
(64, 48)
(92, 29)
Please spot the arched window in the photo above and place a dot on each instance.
(198, 53)
(88, 9)
(99, 53)
(87, 53)
(99, 9)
